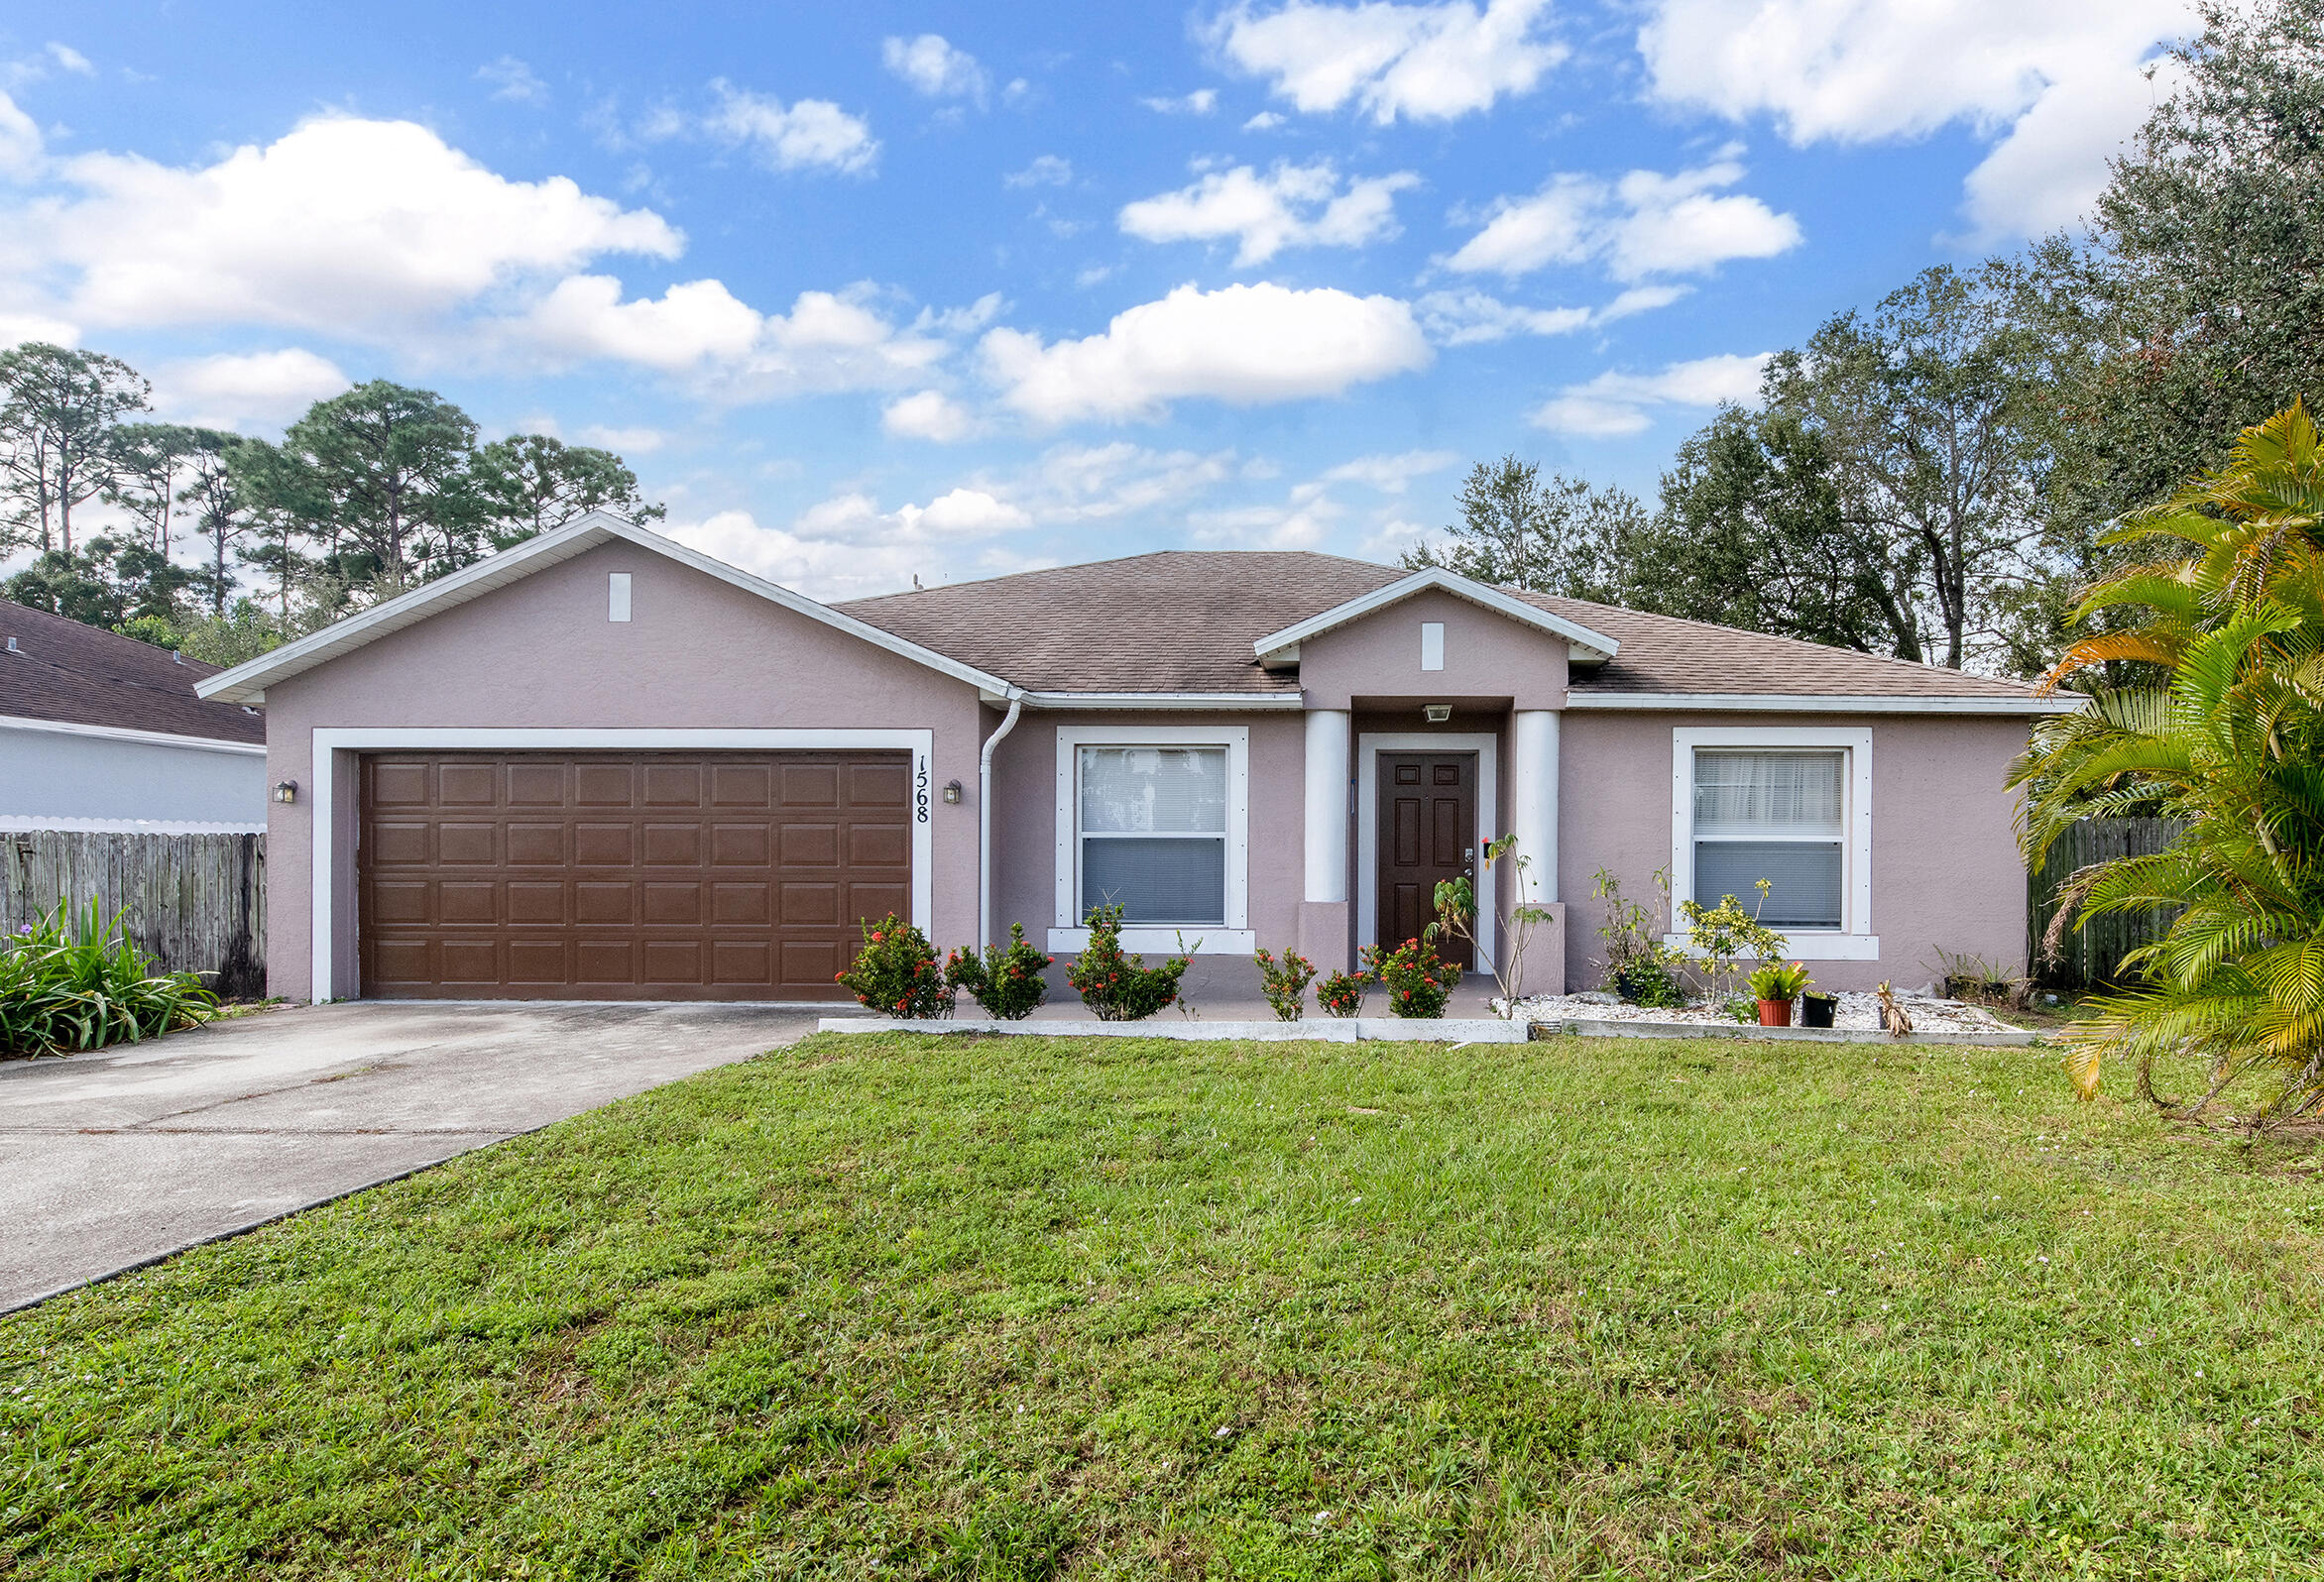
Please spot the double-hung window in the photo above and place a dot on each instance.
(1788, 806)
(1152, 820)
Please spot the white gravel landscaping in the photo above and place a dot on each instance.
(1856, 1012)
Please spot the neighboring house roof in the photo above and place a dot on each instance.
(247, 683)
(63, 673)
(1188, 621)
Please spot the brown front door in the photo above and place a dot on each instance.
(626, 875)
(1426, 835)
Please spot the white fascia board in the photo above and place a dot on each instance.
(1165, 700)
(1821, 703)
(158, 738)
(246, 683)
(1587, 645)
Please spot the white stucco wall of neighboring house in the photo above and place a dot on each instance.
(92, 773)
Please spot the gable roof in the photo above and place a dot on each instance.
(1585, 646)
(63, 673)
(1194, 622)
(247, 683)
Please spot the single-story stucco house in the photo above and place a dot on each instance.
(102, 732)
(601, 766)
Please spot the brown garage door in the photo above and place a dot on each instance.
(626, 875)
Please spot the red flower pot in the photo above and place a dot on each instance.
(1774, 1013)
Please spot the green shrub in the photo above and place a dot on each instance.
(1418, 981)
(1285, 982)
(896, 972)
(1648, 980)
(79, 983)
(1118, 987)
(1341, 993)
(1005, 981)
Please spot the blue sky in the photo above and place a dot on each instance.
(882, 290)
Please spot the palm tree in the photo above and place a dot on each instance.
(2228, 739)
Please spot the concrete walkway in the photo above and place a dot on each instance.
(113, 1159)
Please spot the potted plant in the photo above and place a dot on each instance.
(1817, 1010)
(1776, 985)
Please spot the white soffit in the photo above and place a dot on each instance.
(1585, 646)
(247, 683)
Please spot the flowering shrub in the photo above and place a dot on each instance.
(1417, 981)
(1008, 983)
(1285, 982)
(896, 972)
(1118, 987)
(1341, 993)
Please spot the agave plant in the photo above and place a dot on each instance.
(2230, 739)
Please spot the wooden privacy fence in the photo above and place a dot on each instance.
(2090, 954)
(194, 903)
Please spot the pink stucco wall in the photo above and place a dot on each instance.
(1024, 833)
(696, 653)
(1489, 659)
(1945, 869)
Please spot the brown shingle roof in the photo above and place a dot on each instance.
(65, 671)
(1184, 620)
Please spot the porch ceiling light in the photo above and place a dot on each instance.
(1436, 712)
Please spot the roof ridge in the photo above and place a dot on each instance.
(1916, 667)
(1108, 560)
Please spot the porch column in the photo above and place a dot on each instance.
(1325, 931)
(1326, 805)
(1533, 801)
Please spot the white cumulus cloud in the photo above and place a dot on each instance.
(1615, 405)
(1200, 102)
(1644, 224)
(231, 389)
(809, 134)
(341, 225)
(2058, 84)
(20, 141)
(1243, 344)
(928, 414)
(934, 67)
(1046, 170)
(1291, 205)
(1421, 62)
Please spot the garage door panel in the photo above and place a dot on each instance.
(468, 785)
(879, 846)
(605, 846)
(535, 901)
(672, 844)
(606, 875)
(468, 844)
(534, 962)
(468, 901)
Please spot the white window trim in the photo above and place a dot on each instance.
(330, 741)
(1368, 748)
(1854, 940)
(1235, 937)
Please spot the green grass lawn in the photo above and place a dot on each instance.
(1023, 1308)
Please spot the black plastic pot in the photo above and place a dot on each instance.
(1815, 1011)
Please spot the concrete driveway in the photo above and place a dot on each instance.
(110, 1159)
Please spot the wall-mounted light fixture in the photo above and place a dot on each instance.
(952, 790)
(1436, 712)
(286, 790)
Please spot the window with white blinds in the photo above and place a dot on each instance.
(1779, 814)
(1151, 832)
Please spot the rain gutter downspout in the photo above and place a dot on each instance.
(1016, 706)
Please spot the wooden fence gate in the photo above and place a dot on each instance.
(2089, 955)
(194, 903)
